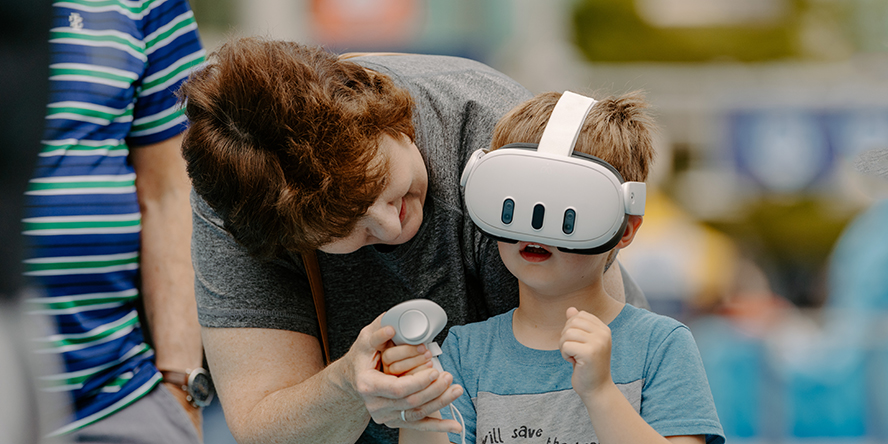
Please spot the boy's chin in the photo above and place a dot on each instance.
(542, 285)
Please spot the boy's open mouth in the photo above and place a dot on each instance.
(534, 252)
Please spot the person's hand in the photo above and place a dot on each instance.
(193, 412)
(586, 343)
(400, 360)
(417, 393)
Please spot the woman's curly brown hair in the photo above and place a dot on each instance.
(283, 141)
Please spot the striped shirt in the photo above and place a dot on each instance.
(115, 65)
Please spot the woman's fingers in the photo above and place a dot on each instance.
(452, 394)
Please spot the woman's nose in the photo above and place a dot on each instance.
(385, 221)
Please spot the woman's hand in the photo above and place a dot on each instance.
(419, 391)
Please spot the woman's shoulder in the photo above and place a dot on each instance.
(409, 63)
(640, 320)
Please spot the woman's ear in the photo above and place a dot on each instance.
(632, 224)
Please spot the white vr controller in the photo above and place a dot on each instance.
(417, 321)
(546, 193)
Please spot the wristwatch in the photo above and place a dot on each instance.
(196, 383)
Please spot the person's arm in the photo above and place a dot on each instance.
(586, 343)
(615, 421)
(274, 387)
(167, 289)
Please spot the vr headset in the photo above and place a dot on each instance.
(545, 193)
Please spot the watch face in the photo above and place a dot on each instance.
(202, 390)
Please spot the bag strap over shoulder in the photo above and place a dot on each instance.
(313, 270)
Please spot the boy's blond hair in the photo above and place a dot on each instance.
(618, 130)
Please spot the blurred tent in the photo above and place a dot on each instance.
(835, 384)
(808, 375)
(859, 296)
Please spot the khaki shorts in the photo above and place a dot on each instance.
(157, 418)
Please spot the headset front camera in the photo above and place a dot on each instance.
(569, 217)
(508, 211)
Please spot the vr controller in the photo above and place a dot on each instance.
(417, 321)
(546, 193)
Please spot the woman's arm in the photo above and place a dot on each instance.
(274, 387)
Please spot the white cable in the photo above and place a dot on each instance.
(455, 412)
(436, 351)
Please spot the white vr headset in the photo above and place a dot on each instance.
(546, 193)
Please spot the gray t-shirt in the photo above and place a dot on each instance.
(449, 261)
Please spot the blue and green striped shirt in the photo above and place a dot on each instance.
(115, 65)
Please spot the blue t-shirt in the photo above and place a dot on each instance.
(517, 394)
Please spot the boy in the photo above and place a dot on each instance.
(572, 364)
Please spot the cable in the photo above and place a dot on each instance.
(455, 412)
(436, 351)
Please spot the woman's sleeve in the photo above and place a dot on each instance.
(234, 289)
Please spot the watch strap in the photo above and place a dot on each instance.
(174, 377)
(182, 380)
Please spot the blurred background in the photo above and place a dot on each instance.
(767, 224)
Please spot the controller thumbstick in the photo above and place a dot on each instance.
(413, 325)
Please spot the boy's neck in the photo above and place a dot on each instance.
(539, 319)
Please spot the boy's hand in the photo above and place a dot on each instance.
(586, 343)
(402, 360)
